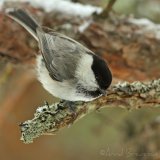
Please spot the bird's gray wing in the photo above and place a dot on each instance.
(60, 53)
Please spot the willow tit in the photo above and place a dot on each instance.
(66, 68)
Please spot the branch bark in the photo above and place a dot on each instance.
(50, 119)
(107, 9)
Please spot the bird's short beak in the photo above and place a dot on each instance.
(103, 92)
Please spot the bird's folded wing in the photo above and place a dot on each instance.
(61, 54)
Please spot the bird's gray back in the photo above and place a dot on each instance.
(61, 54)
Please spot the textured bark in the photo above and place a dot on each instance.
(49, 119)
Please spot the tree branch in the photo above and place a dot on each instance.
(9, 57)
(49, 119)
(106, 10)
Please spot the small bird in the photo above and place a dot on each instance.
(66, 68)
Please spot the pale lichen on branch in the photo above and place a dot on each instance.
(49, 119)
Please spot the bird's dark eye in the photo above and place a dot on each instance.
(102, 73)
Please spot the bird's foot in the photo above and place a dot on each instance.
(46, 104)
(67, 104)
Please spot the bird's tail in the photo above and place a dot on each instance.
(24, 19)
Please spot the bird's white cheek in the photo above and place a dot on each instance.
(85, 74)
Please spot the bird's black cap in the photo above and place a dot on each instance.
(102, 72)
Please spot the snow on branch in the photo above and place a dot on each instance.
(48, 119)
(146, 25)
(1, 4)
(66, 7)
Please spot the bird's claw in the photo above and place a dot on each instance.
(46, 104)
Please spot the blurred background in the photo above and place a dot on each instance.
(112, 133)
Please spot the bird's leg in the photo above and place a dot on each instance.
(46, 104)
(67, 104)
(71, 105)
